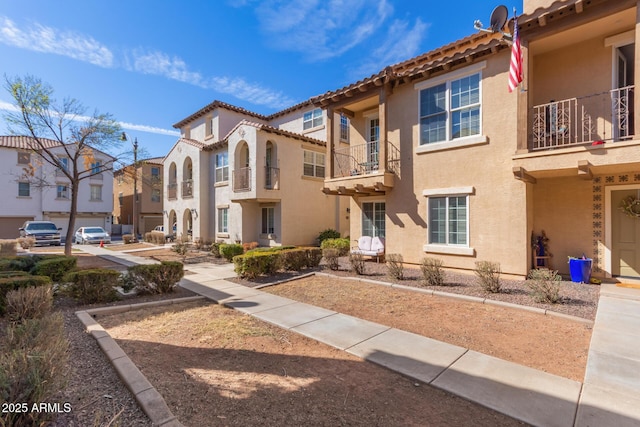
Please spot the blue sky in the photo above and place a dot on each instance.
(152, 63)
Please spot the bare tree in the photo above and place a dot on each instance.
(42, 118)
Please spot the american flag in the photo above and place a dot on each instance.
(515, 69)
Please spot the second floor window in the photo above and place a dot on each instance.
(155, 195)
(24, 189)
(222, 167)
(24, 158)
(344, 128)
(120, 198)
(450, 110)
(63, 165)
(96, 167)
(62, 192)
(312, 119)
(155, 174)
(96, 192)
(313, 164)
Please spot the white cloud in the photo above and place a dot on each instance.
(321, 29)
(250, 92)
(41, 38)
(161, 64)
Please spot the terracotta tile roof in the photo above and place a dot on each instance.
(25, 142)
(561, 9)
(154, 160)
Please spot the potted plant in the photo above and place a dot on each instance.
(580, 269)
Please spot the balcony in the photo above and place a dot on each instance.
(172, 191)
(271, 178)
(187, 189)
(586, 120)
(359, 169)
(242, 179)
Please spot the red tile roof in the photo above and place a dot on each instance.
(26, 142)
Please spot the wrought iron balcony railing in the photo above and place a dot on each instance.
(271, 178)
(242, 179)
(187, 189)
(364, 159)
(172, 191)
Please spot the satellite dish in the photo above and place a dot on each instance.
(499, 18)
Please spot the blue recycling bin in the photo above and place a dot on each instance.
(580, 270)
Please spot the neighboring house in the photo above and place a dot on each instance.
(442, 161)
(238, 176)
(34, 190)
(149, 188)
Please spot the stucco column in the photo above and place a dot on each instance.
(636, 72)
(330, 142)
(382, 116)
(522, 102)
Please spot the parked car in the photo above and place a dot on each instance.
(91, 235)
(44, 232)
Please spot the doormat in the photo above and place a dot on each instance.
(628, 285)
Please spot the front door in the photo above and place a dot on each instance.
(625, 237)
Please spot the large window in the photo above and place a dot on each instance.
(222, 167)
(450, 110)
(62, 191)
(24, 189)
(344, 128)
(448, 220)
(268, 220)
(155, 174)
(96, 192)
(313, 164)
(223, 220)
(156, 195)
(312, 119)
(373, 219)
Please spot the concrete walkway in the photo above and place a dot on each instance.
(609, 396)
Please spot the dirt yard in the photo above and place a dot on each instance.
(215, 366)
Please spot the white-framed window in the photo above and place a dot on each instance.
(156, 195)
(313, 164)
(63, 165)
(62, 191)
(208, 127)
(24, 189)
(222, 167)
(448, 220)
(24, 158)
(450, 109)
(223, 220)
(268, 220)
(96, 192)
(96, 167)
(373, 219)
(344, 128)
(312, 119)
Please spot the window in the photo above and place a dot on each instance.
(155, 174)
(450, 110)
(156, 196)
(24, 189)
(96, 167)
(208, 132)
(448, 220)
(312, 119)
(120, 198)
(344, 128)
(313, 164)
(268, 220)
(222, 167)
(24, 158)
(96, 192)
(223, 220)
(373, 223)
(63, 165)
(62, 191)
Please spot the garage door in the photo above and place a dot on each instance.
(63, 222)
(9, 226)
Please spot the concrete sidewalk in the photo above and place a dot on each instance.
(610, 395)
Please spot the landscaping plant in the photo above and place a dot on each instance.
(92, 286)
(331, 256)
(395, 266)
(155, 278)
(489, 274)
(329, 233)
(29, 303)
(342, 244)
(357, 263)
(544, 285)
(55, 268)
(181, 248)
(230, 250)
(432, 272)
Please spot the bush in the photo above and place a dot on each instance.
(432, 272)
(254, 264)
(29, 303)
(343, 245)
(357, 263)
(230, 250)
(489, 274)
(13, 273)
(314, 256)
(215, 249)
(92, 286)
(55, 268)
(394, 263)
(329, 233)
(299, 258)
(155, 237)
(8, 248)
(128, 238)
(544, 285)
(271, 249)
(33, 363)
(155, 278)
(249, 246)
(331, 256)
(181, 248)
(12, 283)
(26, 242)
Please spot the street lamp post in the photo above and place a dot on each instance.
(134, 209)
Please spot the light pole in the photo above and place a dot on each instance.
(134, 209)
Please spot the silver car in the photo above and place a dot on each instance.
(91, 235)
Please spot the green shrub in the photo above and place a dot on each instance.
(215, 249)
(29, 303)
(33, 365)
(55, 268)
(396, 268)
(13, 273)
(329, 233)
(230, 250)
(293, 259)
(343, 245)
(357, 263)
(12, 283)
(23, 263)
(544, 285)
(8, 247)
(489, 274)
(254, 264)
(155, 278)
(92, 286)
(271, 249)
(432, 272)
(331, 256)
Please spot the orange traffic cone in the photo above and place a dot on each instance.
(101, 243)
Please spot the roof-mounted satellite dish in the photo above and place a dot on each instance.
(499, 18)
